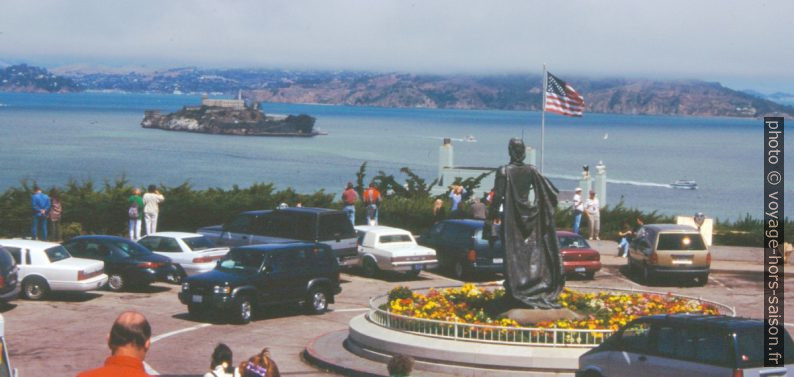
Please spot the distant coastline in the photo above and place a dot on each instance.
(394, 90)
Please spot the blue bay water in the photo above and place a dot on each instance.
(51, 138)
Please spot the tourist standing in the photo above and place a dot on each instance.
(372, 201)
(625, 237)
(135, 214)
(438, 211)
(151, 208)
(128, 342)
(56, 211)
(221, 364)
(456, 195)
(349, 198)
(592, 207)
(578, 208)
(41, 204)
(478, 209)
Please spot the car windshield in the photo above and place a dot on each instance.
(131, 248)
(391, 238)
(692, 241)
(198, 243)
(57, 253)
(242, 260)
(572, 242)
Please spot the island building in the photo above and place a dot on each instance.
(448, 173)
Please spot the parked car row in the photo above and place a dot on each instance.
(463, 250)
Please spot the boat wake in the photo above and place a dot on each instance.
(638, 183)
(614, 181)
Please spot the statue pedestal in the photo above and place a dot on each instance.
(528, 317)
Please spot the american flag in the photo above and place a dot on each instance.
(561, 98)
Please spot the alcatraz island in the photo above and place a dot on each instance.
(230, 117)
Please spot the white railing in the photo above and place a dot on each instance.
(533, 336)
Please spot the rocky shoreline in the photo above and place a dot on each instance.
(230, 117)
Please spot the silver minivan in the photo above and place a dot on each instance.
(686, 345)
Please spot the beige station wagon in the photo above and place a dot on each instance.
(669, 250)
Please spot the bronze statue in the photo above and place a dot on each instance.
(534, 274)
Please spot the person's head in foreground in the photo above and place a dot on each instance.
(259, 365)
(222, 355)
(130, 335)
(400, 366)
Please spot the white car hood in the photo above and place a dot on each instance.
(406, 249)
(87, 265)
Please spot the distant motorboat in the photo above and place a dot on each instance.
(606, 136)
(470, 139)
(684, 184)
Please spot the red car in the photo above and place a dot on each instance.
(577, 255)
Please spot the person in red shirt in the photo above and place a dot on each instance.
(372, 200)
(128, 341)
(349, 198)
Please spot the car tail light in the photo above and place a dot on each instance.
(471, 256)
(708, 258)
(654, 258)
(81, 275)
(204, 259)
(738, 373)
(149, 265)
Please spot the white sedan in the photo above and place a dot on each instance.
(46, 266)
(383, 248)
(193, 253)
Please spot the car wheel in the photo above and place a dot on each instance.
(413, 273)
(175, 277)
(459, 270)
(317, 301)
(195, 311)
(243, 311)
(589, 275)
(589, 373)
(370, 268)
(116, 282)
(35, 288)
(647, 275)
(703, 279)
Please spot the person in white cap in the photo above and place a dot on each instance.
(593, 211)
(578, 208)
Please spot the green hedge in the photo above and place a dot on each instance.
(102, 209)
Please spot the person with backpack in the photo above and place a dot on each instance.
(372, 200)
(135, 214)
(151, 208)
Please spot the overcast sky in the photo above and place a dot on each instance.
(743, 44)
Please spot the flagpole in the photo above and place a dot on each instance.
(543, 120)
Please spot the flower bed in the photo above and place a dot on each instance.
(599, 311)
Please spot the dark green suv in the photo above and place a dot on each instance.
(250, 276)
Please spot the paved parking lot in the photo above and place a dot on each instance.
(67, 333)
